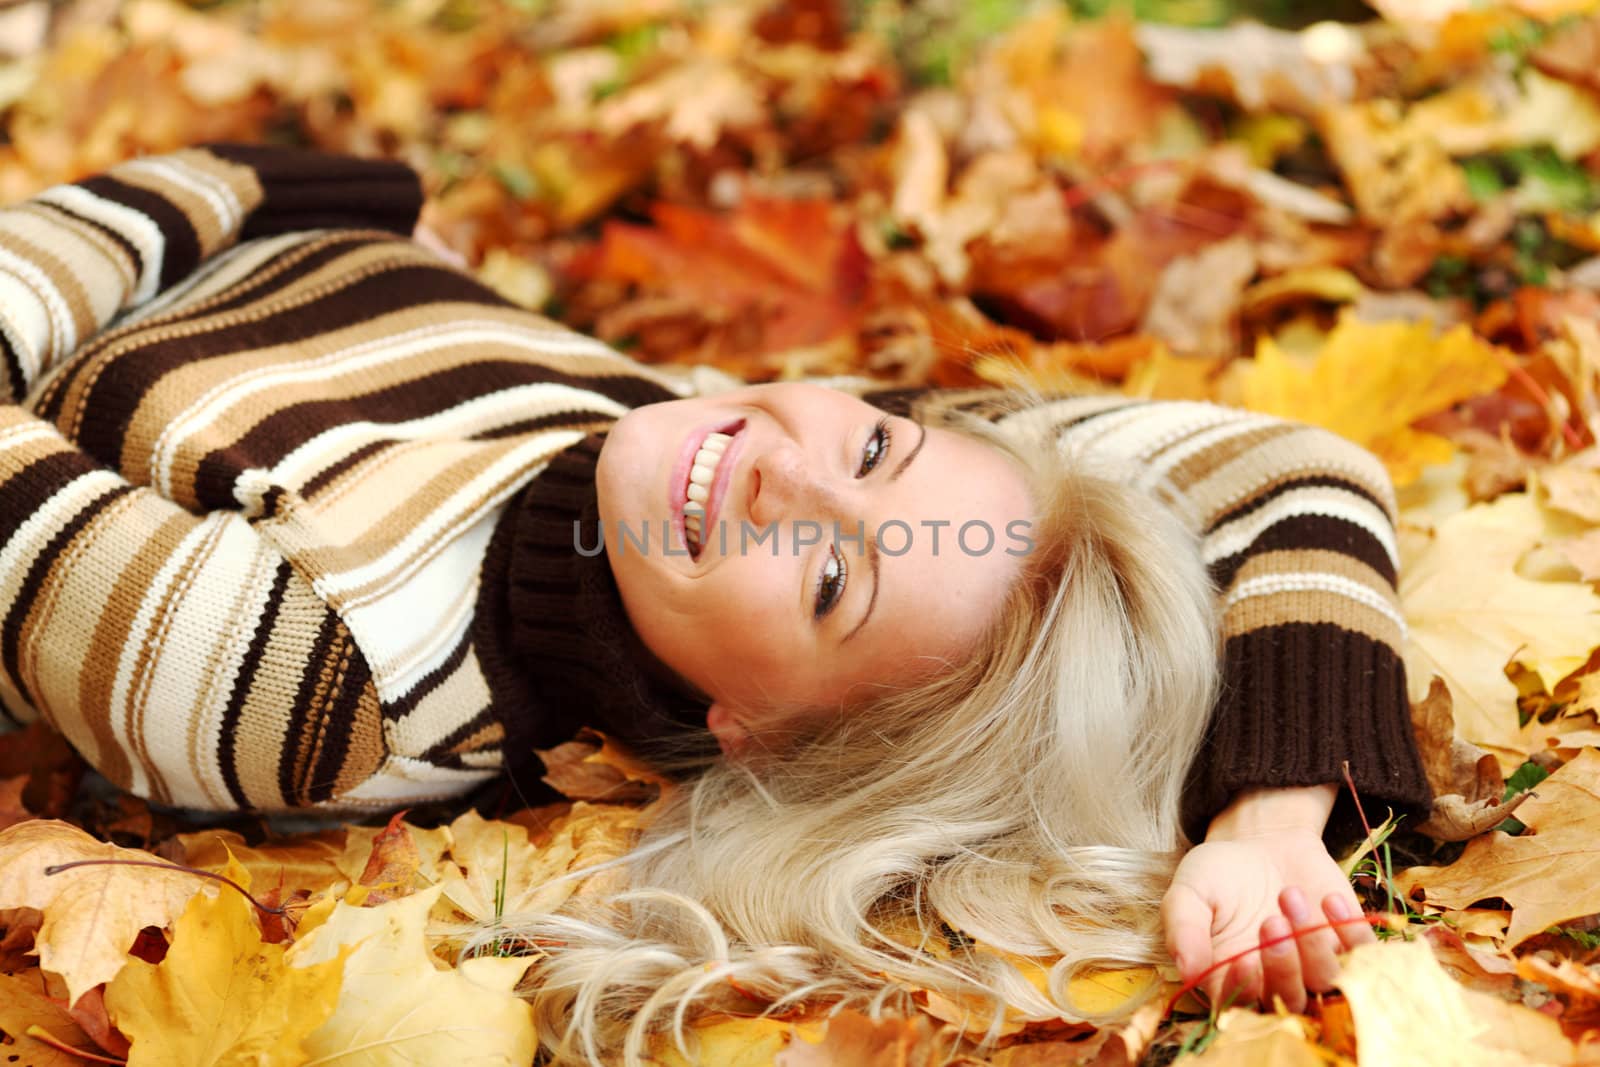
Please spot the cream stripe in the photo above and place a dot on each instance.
(408, 781)
(127, 691)
(137, 228)
(216, 401)
(1210, 433)
(1238, 535)
(398, 650)
(59, 333)
(105, 286)
(1315, 582)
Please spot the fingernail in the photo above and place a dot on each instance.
(1294, 906)
(1339, 910)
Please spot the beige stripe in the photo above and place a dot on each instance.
(1307, 606)
(454, 701)
(1320, 561)
(1246, 442)
(236, 176)
(201, 216)
(140, 548)
(67, 283)
(363, 536)
(1305, 452)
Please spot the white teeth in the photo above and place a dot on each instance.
(701, 474)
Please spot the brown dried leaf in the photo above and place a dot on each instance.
(394, 865)
(1548, 875)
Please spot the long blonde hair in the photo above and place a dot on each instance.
(1025, 799)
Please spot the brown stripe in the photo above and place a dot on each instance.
(228, 731)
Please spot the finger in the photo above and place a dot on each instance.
(1319, 959)
(1187, 922)
(1341, 908)
(1280, 965)
(1242, 985)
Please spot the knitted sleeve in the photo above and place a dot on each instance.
(76, 256)
(246, 495)
(1296, 527)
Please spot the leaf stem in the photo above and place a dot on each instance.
(43, 1036)
(57, 868)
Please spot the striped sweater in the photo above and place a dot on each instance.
(254, 445)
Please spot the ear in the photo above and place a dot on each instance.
(732, 737)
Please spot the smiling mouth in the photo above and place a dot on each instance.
(704, 485)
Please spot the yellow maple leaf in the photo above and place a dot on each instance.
(1371, 381)
(397, 1008)
(221, 997)
(1408, 1010)
(1248, 1038)
(496, 871)
(91, 914)
(1470, 613)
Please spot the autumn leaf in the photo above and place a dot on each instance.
(221, 996)
(1548, 875)
(1247, 1039)
(733, 1042)
(91, 914)
(1371, 381)
(853, 1040)
(306, 862)
(395, 1007)
(1470, 613)
(23, 1007)
(494, 872)
(1408, 1011)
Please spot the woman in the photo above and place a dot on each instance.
(314, 520)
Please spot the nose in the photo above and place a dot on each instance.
(784, 487)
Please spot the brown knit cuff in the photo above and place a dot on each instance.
(1298, 701)
(309, 190)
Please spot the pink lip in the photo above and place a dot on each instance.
(678, 487)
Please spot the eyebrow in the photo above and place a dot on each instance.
(901, 469)
(877, 580)
(872, 545)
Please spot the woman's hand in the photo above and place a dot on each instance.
(1261, 874)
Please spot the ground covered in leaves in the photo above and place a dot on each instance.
(1385, 221)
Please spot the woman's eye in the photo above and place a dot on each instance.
(876, 448)
(830, 583)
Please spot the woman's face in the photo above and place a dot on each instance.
(839, 548)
